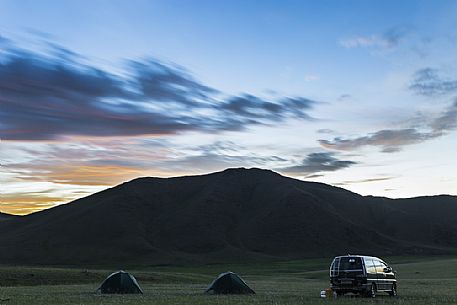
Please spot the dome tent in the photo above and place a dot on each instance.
(229, 283)
(120, 282)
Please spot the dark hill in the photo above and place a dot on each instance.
(4, 216)
(231, 215)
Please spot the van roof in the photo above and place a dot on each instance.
(362, 256)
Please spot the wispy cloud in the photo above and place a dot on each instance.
(432, 82)
(389, 39)
(218, 156)
(368, 180)
(49, 97)
(26, 203)
(389, 140)
(392, 140)
(94, 163)
(252, 107)
(446, 121)
(325, 131)
(317, 162)
(112, 162)
(168, 83)
(344, 97)
(311, 78)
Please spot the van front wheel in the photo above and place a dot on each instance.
(393, 292)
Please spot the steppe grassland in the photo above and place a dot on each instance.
(422, 280)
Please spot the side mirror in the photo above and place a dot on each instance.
(387, 270)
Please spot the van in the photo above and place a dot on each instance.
(365, 275)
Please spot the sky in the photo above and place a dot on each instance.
(357, 94)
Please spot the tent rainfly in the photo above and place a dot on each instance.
(229, 283)
(120, 282)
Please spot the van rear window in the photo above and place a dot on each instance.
(350, 263)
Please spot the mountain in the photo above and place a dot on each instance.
(4, 216)
(236, 214)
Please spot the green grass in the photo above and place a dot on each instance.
(421, 280)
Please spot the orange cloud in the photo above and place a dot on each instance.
(93, 174)
(78, 174)
(22, 204)
(69, 182)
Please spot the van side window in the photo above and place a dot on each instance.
(370, 267)
(379, 266)
(384, 265)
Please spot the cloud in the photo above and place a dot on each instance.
(392, 140)
(99, 163)
(218, 156)
(430, 82)
(22, 204)
(4, 40)
(446, 121)
(221, 147)
(388, 40)
(76, 173)
(43, 175)
(344, 97)
(252, 107)
(43, 99)
(368, 180)
(47, 97)
(85, 163)
(318, 162)
(210, 162)
(313, 176)
(389, 140)
(311, 77)
(325, 131)
(363, 41)
(169, 83)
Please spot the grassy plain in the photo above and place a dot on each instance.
(421, 280)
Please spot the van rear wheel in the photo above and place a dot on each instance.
(371, 293)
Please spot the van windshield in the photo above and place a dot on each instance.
(350, 263)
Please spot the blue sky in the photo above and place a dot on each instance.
(357, 94)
